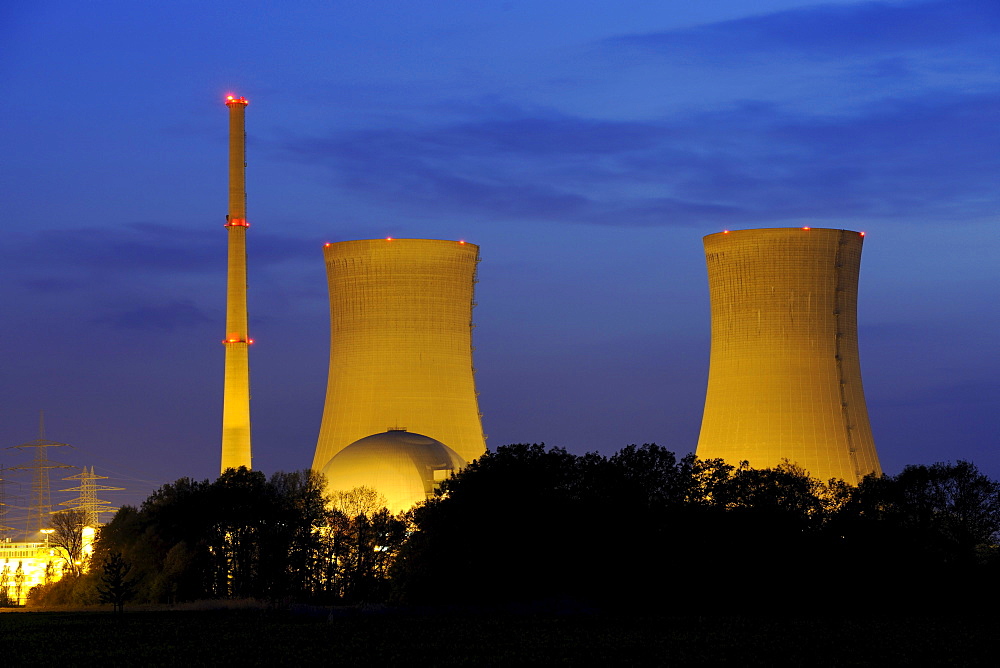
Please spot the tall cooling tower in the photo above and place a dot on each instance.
(785, 377)
(401, 344)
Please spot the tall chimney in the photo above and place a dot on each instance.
(236, 449)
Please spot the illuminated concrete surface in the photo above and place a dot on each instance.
(401, 344)
(25, 565)
(402, 466)
(785, 375)
(236, 449)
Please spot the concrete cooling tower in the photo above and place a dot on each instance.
(785, 376)
(400, 349)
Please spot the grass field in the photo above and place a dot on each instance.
(378, 638)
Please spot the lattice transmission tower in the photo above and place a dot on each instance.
(4, 529)
(40, 465)
(88, 502)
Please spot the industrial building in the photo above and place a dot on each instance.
(785, 375)
(400, 362)
(24, 565)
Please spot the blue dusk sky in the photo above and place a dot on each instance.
(586, 146)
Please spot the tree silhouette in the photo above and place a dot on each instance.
(115, 587)
(358, 501)
(67, 537)
(526, 523)
(6, 600)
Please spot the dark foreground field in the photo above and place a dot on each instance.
(314, 638)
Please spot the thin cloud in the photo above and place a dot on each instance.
(751, 163)
(100, 257)
(824, 31)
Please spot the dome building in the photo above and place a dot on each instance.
(402, 466)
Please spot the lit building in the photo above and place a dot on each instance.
(400, 349)
(785, 376)
(236, 450)
(24, 565)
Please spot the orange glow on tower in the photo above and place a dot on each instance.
(236, 449)
(784, 380)
(400, 348)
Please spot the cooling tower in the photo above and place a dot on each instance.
(784, 380)
(401, 344)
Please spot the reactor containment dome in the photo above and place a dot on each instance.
(785, 375)
(403, 467)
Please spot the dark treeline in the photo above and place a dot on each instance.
(242, 536)
(642, 528)
(645, 528)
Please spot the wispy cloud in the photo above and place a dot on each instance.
(824, 31)
(753, 163)
(911, 141)
(66, 260)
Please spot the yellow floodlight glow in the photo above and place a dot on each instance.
(401, 344)
(236, 447)
(785, 373)
(403, 467)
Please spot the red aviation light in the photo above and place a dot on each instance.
(231, 99)
(249, 342)
(725, 231)
(861, 234)
(388, 238)
(806, 228)
(461, 241)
